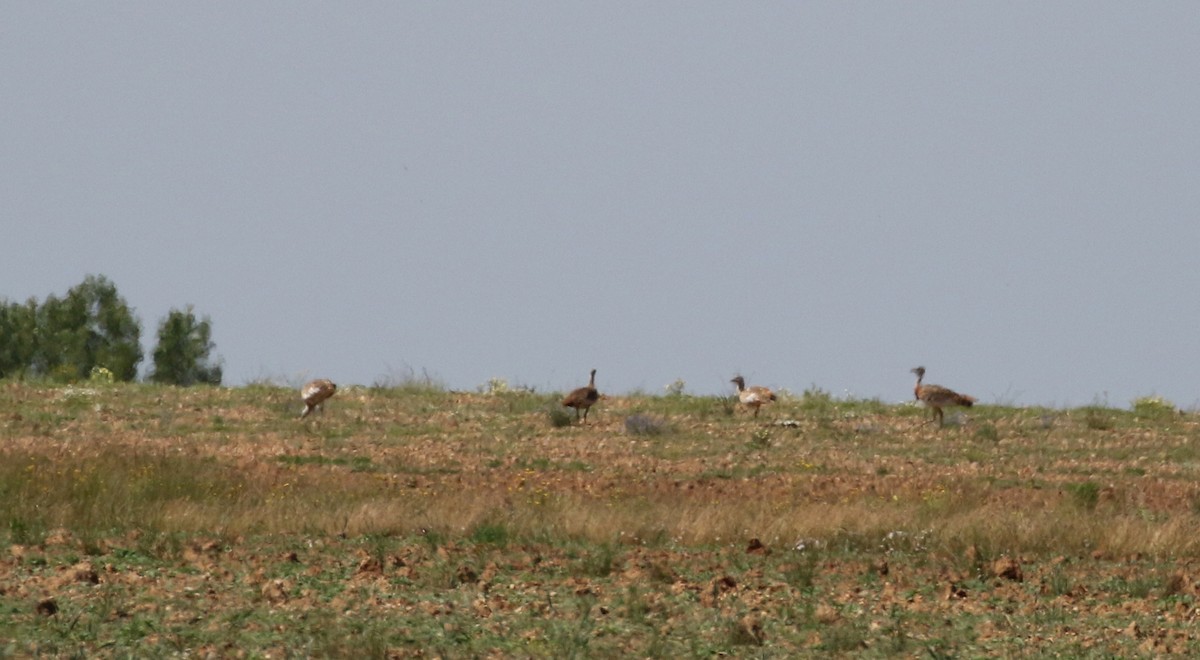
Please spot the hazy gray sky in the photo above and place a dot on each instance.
(823, 193)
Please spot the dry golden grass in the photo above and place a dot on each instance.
(237, 462)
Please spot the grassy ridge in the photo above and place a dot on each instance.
(409, 518)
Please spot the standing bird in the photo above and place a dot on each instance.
(583, 397)
(752, 397)
(937, 397)
(315, 393)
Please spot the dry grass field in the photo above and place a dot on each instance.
(410, 521)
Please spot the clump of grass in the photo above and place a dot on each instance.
(815, 397)
(802, 573)
(987, 432)
(1097, 418)
(601, 562)
(407, 380)
(639, 424)
(1085, 495)
(1058, 583)
(490, 534)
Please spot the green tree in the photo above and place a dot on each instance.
(182, 354)
(92, 326)
(18, 337)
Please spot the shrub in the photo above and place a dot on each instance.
(1097, 418)
(558, 417)
(1153, 407)
(640, 424)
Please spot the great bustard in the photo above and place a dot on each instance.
(937, 397)
(582, 398)
(315, 393)
(752, 397)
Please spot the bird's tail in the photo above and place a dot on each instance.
(966, 401)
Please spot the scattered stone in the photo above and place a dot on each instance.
(952, 591)
(47, 607)
(826, 614)
(275, 592)
(1176, 584)
(717, 588)
(369, 566)
(755, 547)
(466, 575)
(1007, 568)
(59, 537)
(83, 572)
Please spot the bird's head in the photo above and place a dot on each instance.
(919, 371)
(739, 381)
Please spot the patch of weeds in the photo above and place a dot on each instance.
(760, 439)
(601, 562)
(355, 463)
(490, 534)
(844, 636)
(639, 424)
(1137, 587)
(728, 405)
(897, 631)
(407, 380)
(1057, 583)
(26, 532)
(571, 638)
(495, 385)
(716, 473)
(987, 432)
(1098, 418)
(537, 464)
(1084, 495)
(433, 538)
(801, 574)
(744, 632)
(634, 605)
(816, 400)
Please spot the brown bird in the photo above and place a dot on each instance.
(937, 397)
(752, 397)
(315, 393)
(583, 397)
